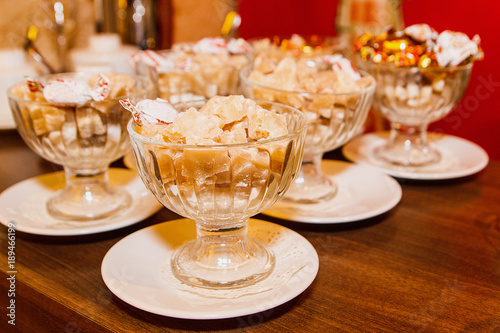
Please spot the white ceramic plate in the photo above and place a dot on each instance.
(132, 270)
(24, 204)
(459, 157)
(362, 192)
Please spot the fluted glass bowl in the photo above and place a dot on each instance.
(198, 76)
(83, 138)
(220, 187)
(411, 98)
(333, 119)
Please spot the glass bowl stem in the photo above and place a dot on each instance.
(408, 146)
(311, 185)
(222, 259)
(87, 195)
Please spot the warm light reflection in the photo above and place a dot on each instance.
(59, 12)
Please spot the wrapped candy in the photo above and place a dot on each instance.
(215, 45)
(151, 112)
(210, 45)
(155, 60)
(71, 91)
(452, 48)
(421, 32)
(238, 46)
(341, 64)
(419, 45)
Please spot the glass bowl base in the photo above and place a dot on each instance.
(403, 155)
(85, 206)
(222, 265)
(310, 189)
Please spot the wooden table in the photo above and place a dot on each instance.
(431, 264)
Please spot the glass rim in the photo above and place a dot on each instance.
(131, 129)
(311, 38)
(218, 66)
(391, 65)
(371, 87)
(192, 53)
(10, 95)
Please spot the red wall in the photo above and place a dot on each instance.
(477, 117)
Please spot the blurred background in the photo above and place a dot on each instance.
(156, 24)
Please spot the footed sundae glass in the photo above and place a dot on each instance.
(333, 119)
(411, 98)
(198, 70)
(83, 136)
(220, 186)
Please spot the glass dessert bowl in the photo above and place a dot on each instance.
(190, 71)
(334, 98)
(412, 98)
(421, 76)
(65, 121)
(215, 173)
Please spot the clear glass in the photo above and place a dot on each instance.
(84, 139)
(411, 98)
(220, 187)
(199, 76)
(333, 119)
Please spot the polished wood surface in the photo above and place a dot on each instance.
(431, 264)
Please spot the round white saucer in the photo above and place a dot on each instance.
(24, 204)
(459, 157)
(362, 192)
(134, 270)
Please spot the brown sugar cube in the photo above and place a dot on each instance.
(89, 122)
(228, 109)
(54, 117)
(264, 124)
(250, 165)
(199, 164)
(207, 127)
(234, 133)
(165, 162)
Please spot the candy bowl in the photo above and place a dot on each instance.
(75, 120)
(412, 98)
(421, 76)
(335, 99)
(191, 71)
(220, 185)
